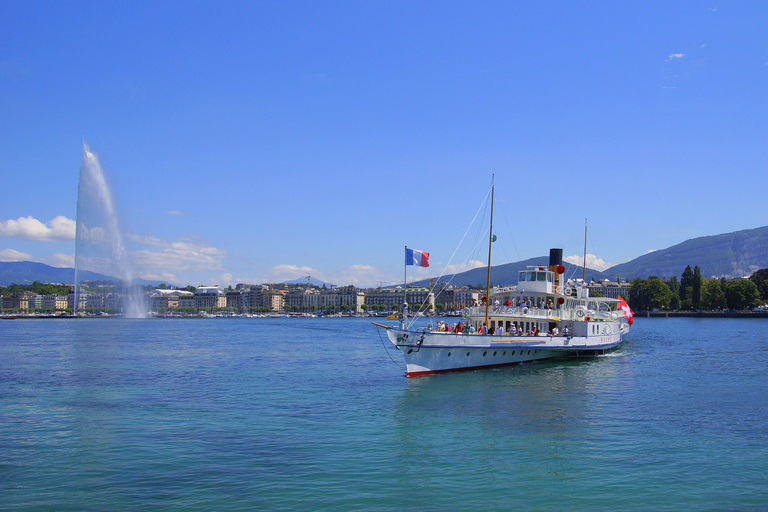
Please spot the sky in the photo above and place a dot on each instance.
(267, 141)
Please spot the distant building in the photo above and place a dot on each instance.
(54, 302)
(210, 297)
(392, 298)
(160, 298)
(610, 289)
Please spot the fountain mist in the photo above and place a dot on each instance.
(99, 241)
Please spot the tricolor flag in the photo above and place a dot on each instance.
(414, 257)
(628, 313)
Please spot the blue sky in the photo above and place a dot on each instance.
(262, 141)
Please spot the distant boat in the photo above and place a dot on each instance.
(543, 317)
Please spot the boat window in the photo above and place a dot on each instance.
(549, 277)
(541, 276)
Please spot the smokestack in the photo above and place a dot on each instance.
(555, 257)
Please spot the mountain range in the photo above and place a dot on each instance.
(27, 272)
(736, 254)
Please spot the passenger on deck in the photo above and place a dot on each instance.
(500, 330)
(513, 330)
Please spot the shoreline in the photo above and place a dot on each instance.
(702, 314)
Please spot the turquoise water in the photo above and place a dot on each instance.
(311, 414)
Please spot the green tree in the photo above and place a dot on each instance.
(696, 288)
(712, 296)
(760, 278)
(742, 294)
(686, 289)
(659, 294)
(638, 296)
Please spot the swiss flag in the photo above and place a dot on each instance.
(628, 313)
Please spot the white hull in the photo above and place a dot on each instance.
(435, 352)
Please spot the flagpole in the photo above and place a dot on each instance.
(490, 241)
(405, 285)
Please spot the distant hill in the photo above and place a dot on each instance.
(27, 272)
(506, 274)
(315, 282)
(736, 254)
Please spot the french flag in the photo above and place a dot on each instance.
(414, 257)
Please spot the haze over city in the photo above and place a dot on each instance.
(269, 141)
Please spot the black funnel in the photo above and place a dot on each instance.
(555, 257)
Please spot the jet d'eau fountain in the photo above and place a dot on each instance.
(99, 241)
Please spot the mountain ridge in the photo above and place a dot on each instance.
(735, 254)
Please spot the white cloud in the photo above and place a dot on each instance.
(166, 259)
(166, 277)
(455, 269)
(226, 279)
(676, 56)
(174, 212)
(362, 276)
(13, 255)
(63, 260)
(592, 262)
(29, 228)
(286, 272)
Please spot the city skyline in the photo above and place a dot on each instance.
(262, 143)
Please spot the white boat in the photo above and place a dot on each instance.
(543, 317)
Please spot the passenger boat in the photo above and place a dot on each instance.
(543, 317)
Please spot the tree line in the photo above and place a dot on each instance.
(693, 292)
(36, 287)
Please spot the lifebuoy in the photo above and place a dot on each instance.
(525, 311)
(579, 313)
(400, 316)
(559, 290)
(569, 291)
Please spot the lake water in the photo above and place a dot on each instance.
(311, 414)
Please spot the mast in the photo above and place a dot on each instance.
(584, 273)
(490, 241)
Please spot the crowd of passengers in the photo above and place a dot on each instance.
(521, 304)
(514, 330)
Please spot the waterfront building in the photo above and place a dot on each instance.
(392, 298)
(465, 297)
(16, 301)
(54, 302)
(610, 289)
(160, 298)
(210, 298)
(274, 300)
(236, 300)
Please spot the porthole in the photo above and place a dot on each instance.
(484, 353)
(529, 352)
(449, 354)
(513, 352)
(494, 353)
(505, 353)
(467, 354)
(410, 350)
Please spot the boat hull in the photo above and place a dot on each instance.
(427, 353)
